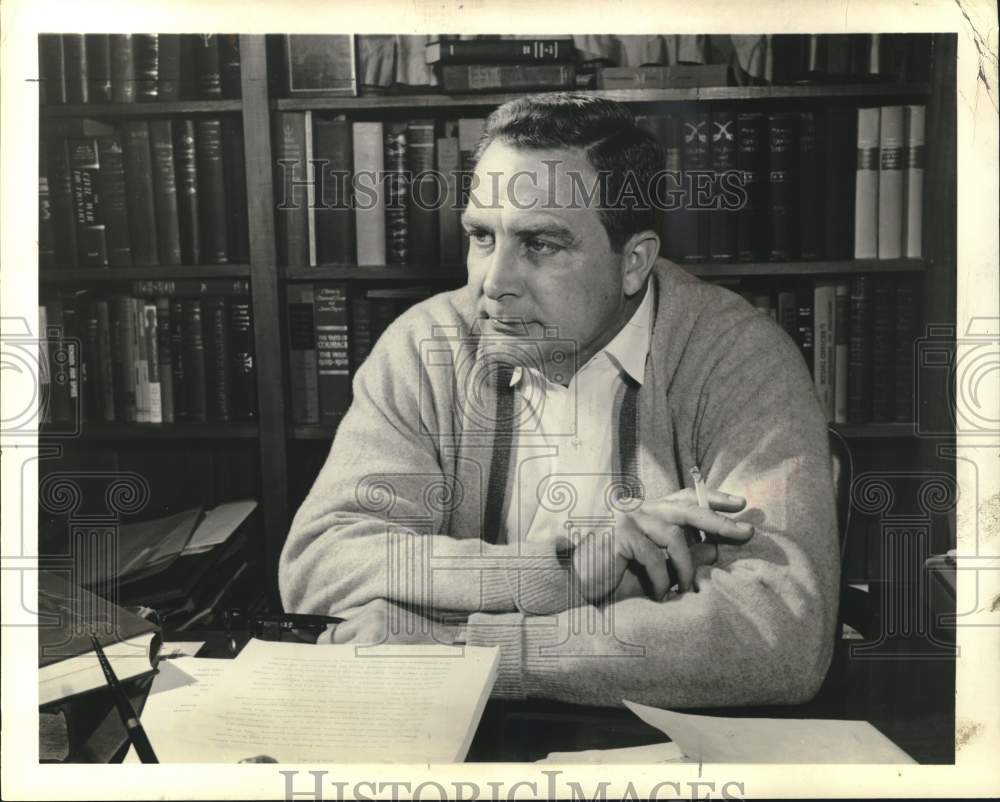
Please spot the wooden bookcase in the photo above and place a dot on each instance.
(278, 442)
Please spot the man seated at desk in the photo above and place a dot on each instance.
(515, 468)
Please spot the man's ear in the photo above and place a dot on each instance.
(639, 255)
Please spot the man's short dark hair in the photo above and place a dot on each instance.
(607, 133)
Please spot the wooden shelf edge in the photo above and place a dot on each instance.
(677, 95)
(374, 272)
(86, 274)
(144, 109)
(157, 431)
(871, 431)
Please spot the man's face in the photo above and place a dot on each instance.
(540, 261)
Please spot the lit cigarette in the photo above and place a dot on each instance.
(699, 489)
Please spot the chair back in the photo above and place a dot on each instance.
(843, 476)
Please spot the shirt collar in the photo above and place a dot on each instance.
(629, 347)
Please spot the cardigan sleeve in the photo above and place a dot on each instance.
(371, 525)
(760, 630)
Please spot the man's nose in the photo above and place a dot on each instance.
(502, 273)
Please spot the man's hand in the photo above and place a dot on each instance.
(631, 560)
(381, 621)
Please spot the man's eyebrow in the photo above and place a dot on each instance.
(552, 230)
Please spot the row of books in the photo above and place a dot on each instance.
(170, 351)
(144, 193)
(858, 338)
(344, 190)
(330, 333)
(129, 68)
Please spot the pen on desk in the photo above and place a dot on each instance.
(136, 734)
(699, 489)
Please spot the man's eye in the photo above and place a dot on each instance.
(541, 247)
(484, 238)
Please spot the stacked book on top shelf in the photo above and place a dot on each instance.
(503, 65)
(129, 68)
(858, 337)
(144, 193)
(782, 186)
(169, 351)
(331, 331)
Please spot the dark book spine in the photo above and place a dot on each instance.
(723, 219)
(397, 194)
(178, 359)
(72, 338)
(147, 66)
(907, 305)
(752, 163)
(46, 232)
(168, 80)
(188, 213)
(99, 67)
(502, 77)
(194, 362)
(810, 192)
(292, 220)
(52, 68)
(90, 364)
(883, 351)
(422, 232)
(212, 192)
(332, 358)
(243, 363)
(781, 186)
(105, 371)
(123, 77)
(804, 328)
(383, 312)
(209, 76)
(77, 74)
(139, 186)
(335, 234)
(63, 211)
(229, 64)
(191, 287)
(693, 219)
(361, 331)
(168, 235)
(837, 152)
(140, 364)
(667, 133)
(123, 359)
(114, 201)
(859, 354)
(164, 362)
(236, 191)
(91, 238)
(59, 393)
(496, 51)
(189, 47)
(216, 329)
(302, 353)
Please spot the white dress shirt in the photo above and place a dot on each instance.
(563, 442)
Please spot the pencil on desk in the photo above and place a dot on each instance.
(133, 727)
(699, 489)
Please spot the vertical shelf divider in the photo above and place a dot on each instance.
(266, 305)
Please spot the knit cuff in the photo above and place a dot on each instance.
(504, 631)
(540, 578)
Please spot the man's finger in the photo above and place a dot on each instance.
(672, 539)
(704, 554)
(717, 500)
(645, 552)
(707, 520)
(344, 632)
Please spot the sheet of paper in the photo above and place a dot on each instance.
(629, 755)
(715, 739)
(218, 524)
(180, 648)
(306, 703)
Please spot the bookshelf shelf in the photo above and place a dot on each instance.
(312, 432)
(158, 431)
(377, 272)
(88, 274)
(873, 431)
(149, 109)
(840, 268)
(686, 95)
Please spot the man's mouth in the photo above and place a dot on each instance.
(509, 326)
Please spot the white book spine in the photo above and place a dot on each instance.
(915, 140)
(310, 188)
(141, 364)
(44, 380)
(150, 333)
(866, 186)
(890, 183)
(369, 214)
(824, 315)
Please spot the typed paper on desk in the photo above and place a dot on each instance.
(717, 739)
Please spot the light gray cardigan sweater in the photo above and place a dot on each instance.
(398, 511)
